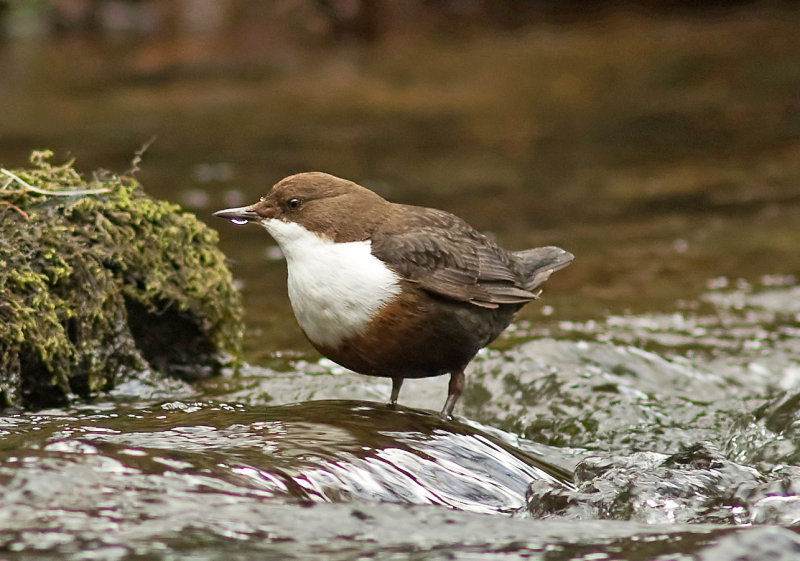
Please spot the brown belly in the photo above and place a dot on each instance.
(418, 335)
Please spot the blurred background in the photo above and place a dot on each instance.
(658, 140)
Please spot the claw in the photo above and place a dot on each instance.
(455, 388)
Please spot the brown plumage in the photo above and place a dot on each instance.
(454, 290)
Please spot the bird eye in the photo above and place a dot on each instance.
(293, 203)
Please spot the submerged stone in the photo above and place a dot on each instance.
(99, 282)
(694, 485)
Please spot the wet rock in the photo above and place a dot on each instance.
(323, 451)
(777, 501)
(600, 396)
(694, 485)
(769, 436)
(99, 282)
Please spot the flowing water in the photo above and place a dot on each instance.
(588, 447)
(646, 409)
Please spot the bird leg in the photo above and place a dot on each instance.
(454, 390)
(396, 385)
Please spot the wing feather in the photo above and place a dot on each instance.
(447, 257)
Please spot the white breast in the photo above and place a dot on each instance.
(335, 288)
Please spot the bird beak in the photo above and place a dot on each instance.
(239, 215)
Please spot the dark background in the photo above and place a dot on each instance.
(658, 141)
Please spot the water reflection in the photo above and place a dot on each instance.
(317, 451)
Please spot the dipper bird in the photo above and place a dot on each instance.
(393, 290)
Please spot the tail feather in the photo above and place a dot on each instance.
(539, 263)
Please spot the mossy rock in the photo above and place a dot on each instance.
(99, 283)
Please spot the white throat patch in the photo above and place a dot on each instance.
(335, 288)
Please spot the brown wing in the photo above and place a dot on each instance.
(446, 256)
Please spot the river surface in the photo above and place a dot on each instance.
(645, 409)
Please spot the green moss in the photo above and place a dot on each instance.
(96, 287)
